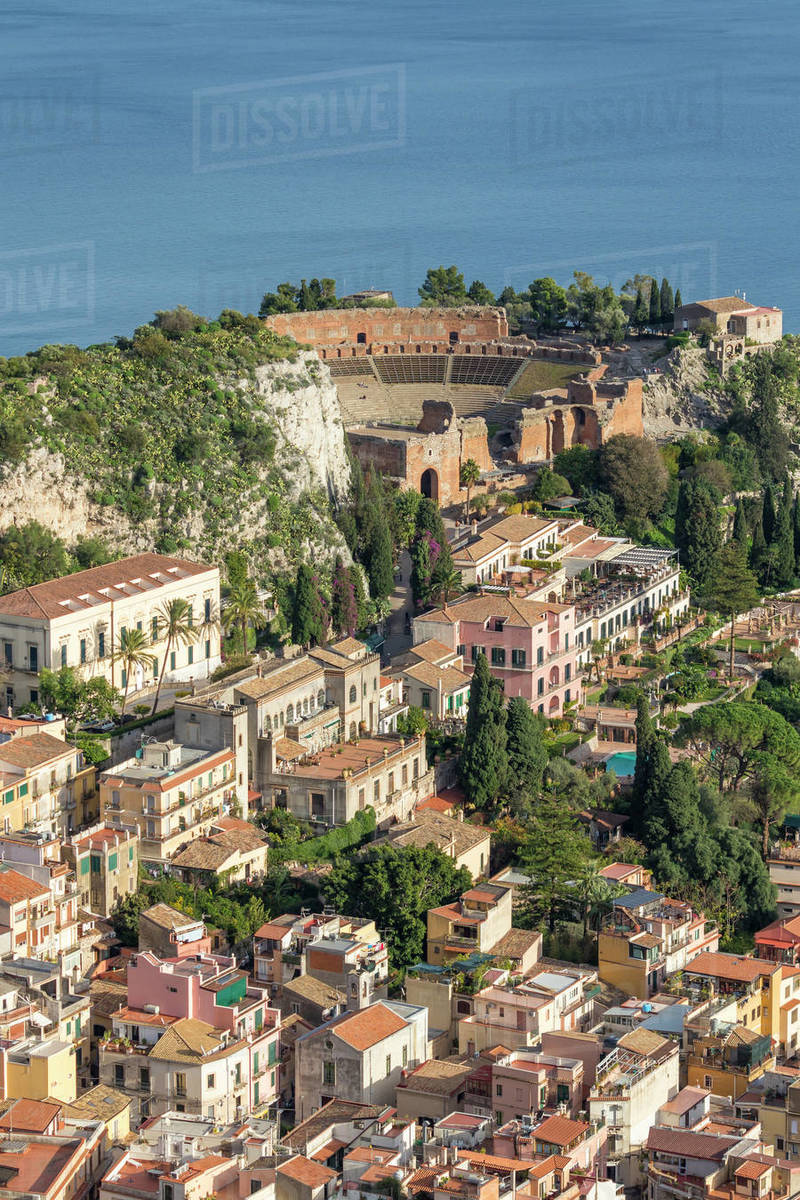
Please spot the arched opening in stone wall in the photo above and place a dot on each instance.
(429, 484)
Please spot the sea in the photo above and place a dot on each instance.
(199, 152)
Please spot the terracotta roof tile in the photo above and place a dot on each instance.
(366, 1028)
(34, 750)
(688, 1144)
(560, 1131)
(51, 599)
(15, 887)
(303, 1170)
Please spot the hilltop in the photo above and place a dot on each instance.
(191, 436)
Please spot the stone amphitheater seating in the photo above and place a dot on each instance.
(391, 388)
(411, 368)
(485, 369)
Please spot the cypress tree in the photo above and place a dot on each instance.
(678, 299)
(784, 566)
(483, 764)
(796, 527)
(344, 608)
(527, 756)
(667, 302)
(698, 535)
(655, 304)
(380, 567)
(308, 620)
(768, 516)
(740, 525)
(645, 738)
(640, 311)
(758, 548)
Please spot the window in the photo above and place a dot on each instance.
(154, 629)
(540, 656)
(405, 1056)
(190, 655)
(101, 644)
(540, 687)
(361, 798)
(461, 649)
(190, 617)
(139, 626)
(498, 656)
(476, 650)
(708, 1081)
(124, 678)
(388, 1064)
(207, 609)
(119, 1074)
(329, 1073)
(144, 1079)
(8, 654)
(353, 694)
(426, 698)
(518, 658)
(499, 1089)
(64, 655)
(211, 1081)
(208, 648)
(376, 791)
(172, 660)
(180, 1083)
(404, 774)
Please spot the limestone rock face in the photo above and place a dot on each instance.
(310, 469)
(676, 402)
(302, 405)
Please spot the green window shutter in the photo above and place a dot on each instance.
(23, 789)
(85, 865)
(8, 797)
(130, 853)
(96, 864)
(255, 1063)
(112, 861)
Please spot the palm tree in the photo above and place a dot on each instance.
(244, 609)
(132, 652)
(468, 476)
(173, 622)
(449, 585)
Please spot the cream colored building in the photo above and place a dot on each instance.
(76, 621)
(44, 783)
(172, 794)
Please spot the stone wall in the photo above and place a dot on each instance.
(405, 330)
(426, 459)
(593, 411)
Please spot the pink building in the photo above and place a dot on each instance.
(207, 987)
(526, 1081)
(530, 645)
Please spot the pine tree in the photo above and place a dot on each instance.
(667, 302)
(733, 588)
(526, 752)
(655, 305)
(740, 526)
(484, 764)
(698, 535)
(768, 516)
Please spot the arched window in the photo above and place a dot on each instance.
(353, 693)
(321, 697)
(268, 723)
(289, 714)
(352, 730)
(305, 705)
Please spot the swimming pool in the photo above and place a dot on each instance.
(622, 764)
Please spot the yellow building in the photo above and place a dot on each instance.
(105, 1104)
(767, 994)
(39, 1070)
(727, 1062)
(45, 785)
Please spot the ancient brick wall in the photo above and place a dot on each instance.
(376, 328)
(427, 459)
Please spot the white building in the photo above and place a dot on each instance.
(77, 620)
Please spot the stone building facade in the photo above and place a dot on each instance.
(427, 459)
(591, 411)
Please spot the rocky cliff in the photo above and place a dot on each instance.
(226, 439)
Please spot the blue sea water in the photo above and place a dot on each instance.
(157, 153)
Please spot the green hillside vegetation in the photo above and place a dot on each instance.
(166, 426)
